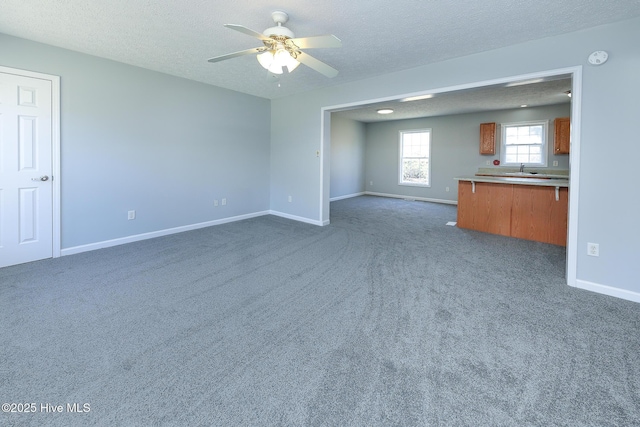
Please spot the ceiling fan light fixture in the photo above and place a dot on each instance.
(275, 68)
(281, 49)
(271, 61)
(265, 59)
(284, 58)
(292, 65)
(281, 56)
(275, 60)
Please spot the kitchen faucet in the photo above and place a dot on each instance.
(521, 167)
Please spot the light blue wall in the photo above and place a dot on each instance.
(121, 149)
(609, 151)
(133, 139)
(347, 157)
(454, 149)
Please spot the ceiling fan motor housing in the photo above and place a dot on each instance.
(278, 31)
(279, 18)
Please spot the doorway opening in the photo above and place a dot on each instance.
(575, 76)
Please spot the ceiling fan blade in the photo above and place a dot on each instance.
(247, 31)
(317, 65)
(317, 41)
(236, 54)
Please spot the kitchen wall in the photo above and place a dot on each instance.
(134, 139)
(603, 184)
(454, 149)
(347, 157)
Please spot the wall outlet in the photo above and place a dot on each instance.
(290, 199)
(447, 189)
(593, 249)
(555, 163)
(131, 215)
(215, 202)
(371, 183)
(224, 202)
(488, 163)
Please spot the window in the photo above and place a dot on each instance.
(524, 142)
(415, 150)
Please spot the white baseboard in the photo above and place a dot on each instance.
(608, 290)
(422, 199)
(298, 218)
(348, 196)
(152, 234)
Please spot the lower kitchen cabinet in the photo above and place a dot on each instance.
(525, 211)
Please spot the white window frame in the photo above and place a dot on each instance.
(544, 148)
(401, 158)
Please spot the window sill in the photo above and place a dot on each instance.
(411, 184)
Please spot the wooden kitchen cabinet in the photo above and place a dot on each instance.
(562, 135)
(488, 209)
(524, 211)
(537, 215)
(487, 138)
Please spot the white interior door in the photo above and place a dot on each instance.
(26, 169)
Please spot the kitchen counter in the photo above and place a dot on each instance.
(524, 175)
(545, 182)
(527, 173)
(526, 208)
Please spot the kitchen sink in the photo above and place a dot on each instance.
(520, 173)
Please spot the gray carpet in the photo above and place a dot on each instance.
(387, 317)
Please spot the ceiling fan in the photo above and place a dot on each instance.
(282, 50)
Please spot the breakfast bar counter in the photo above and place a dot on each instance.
(526, 208)
(516, 180)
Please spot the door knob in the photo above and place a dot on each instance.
(42, 178)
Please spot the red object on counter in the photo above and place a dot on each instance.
(496, 162)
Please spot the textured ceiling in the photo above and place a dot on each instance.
(486, 98)
(178, 36)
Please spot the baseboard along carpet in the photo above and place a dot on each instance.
(385, 317)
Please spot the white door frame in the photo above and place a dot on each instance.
(55, 148)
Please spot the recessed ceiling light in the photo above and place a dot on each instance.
(523, 105)
(385, 111)
(417, 98)
(524, 82)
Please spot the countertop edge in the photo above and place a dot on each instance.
(539, 182)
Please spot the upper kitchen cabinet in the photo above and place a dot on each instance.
(487, 138)
(562, 135)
